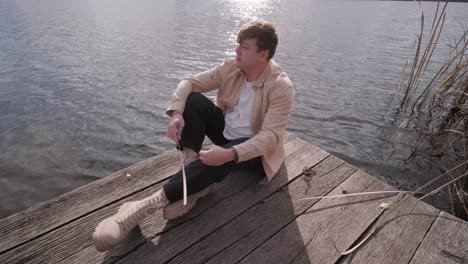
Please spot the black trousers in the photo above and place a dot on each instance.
(202, 117)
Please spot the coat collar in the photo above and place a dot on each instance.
(261, 79)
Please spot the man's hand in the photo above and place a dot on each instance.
(175, 127)
(215, 155)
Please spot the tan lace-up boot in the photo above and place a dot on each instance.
(177, 209)
(114, 229)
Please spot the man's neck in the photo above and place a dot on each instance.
(253, 74)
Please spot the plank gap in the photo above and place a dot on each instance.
(425, 235)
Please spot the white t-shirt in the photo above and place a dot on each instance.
(237, 123)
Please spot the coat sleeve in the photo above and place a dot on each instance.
(202, 82)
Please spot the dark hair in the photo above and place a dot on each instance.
(265, 34)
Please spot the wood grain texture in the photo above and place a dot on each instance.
(19, 229)
(60, 245)
(245, 220)
(45, 217)
(399, 232)
(446, 242)
(36, 221)
(329, 227)
(168, 245)
(239, 237)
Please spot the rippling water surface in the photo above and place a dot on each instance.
(84, 84)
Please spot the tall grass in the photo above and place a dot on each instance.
(437, 106)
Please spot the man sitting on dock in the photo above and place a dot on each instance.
(247, 126)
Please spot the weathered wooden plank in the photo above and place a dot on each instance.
(168, 245)
(151, 230)
(155, 225)
(399, 233)
(329, 226)
(65, 240)
(245, 222)
(45, 217)
(38, 220)
(62, 243)
(249, 230)
(446, 242)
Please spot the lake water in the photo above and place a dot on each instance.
(84, 84)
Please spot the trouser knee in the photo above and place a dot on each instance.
(194, 101)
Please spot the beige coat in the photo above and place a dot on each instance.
(272, 107)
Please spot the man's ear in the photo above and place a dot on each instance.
(265, 54)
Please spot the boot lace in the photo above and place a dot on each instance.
(136, 213)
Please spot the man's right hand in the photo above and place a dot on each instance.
(175, 127)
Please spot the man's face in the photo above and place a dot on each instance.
(247, 56)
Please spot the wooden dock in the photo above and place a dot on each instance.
(243, 221)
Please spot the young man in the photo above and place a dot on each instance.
(247, 125)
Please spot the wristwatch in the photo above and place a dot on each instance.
(236, 156)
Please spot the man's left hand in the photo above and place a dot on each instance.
(213, 155)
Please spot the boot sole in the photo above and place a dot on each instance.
(177, 209)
